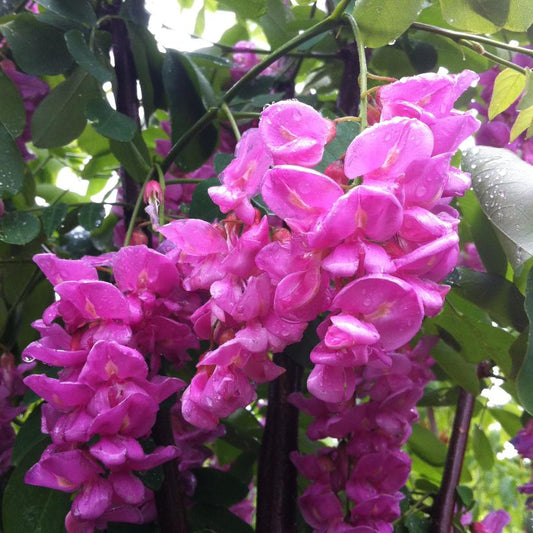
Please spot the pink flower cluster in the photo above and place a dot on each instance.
(11, 387)
(244, 59)
(367, 469)
(32, 90)
(497, 131)
(106, 396)
(523, 442)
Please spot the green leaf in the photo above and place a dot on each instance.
(11, 165)
(215, 487)
(525, 374)
(80, 11)
(19, 227)
(52, 217)
(133, 155)
(482, 231)
(460, 371)
(27, 508)
(462, 15)
(483, 451)
(510, 422)
(28, 436)
(202, 206)
(60, 118)
(274, 23)
(221, 161)
(500, 298)
(466, 495)
(520, 15)
(427, 446)
(189, 95)
(508, 86)
(108, 122)
(251, 9)
(210, 518)
(502, 182)
(382, 21)
(12, 110)
(100, 166)
(85, 58)
(148, 64)
(345, 133)
(90, 216)
(38, 48)
(496, 11)
(523, 122)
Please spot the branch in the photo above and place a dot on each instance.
(277, 476)
(443, 508)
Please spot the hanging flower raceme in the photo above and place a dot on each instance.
(107, 393)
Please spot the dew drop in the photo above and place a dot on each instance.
(28, 359)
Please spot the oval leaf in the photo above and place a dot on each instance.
(90, 216)
(133, 155)
(12, 110)
(462, 15)
(84, 56)
(508, 86)
(38, 48)
(108, 122)
(382, 21)
(427, 446)
(52, 217)
(502, 182)
(80, 11)
(19, 227)
(60, 117)
(11, 165)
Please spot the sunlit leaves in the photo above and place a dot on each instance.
(508, 86)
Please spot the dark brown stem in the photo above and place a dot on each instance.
(349, 92)
(277, 476)
(169, 498)
(443, 508)
(126, 97)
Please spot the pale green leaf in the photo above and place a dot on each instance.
(508, 86)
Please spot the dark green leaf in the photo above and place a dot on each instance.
(148, 64)
(221, 161)
(28, 508)
(500, 298)
(60, 117)
(243, 431)
(466, 495)
(108, 122)
(439, 397)
(382, 21)
(99, 167)
(210, 518)
(116, 527)
(28, 436)
(90, 216)
(525, 374)
(52, 217)
(215, 487)
(510, 422)
(344, 135)
(80, 11)
(483, 233)
(417, 524)
(502, 182)
(202, 206)
(12, 110)
(427, 446)
(459, 370)
(482, 449)
(19, 227)
(11, 165)
(38, 48)
(189, 95)
(85, 58)
(133, 155)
